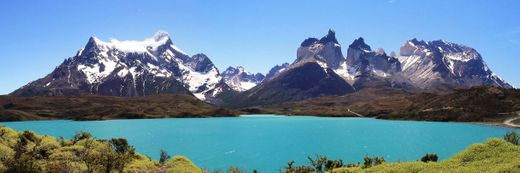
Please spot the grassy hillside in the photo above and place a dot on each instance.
(495, 155)
(104, 107)
(369, 102)
(30, 152)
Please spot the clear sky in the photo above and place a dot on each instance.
(36, 36)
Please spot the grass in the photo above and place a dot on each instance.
(30, 152)
(494, 155)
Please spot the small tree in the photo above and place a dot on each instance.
(430, 158)
(367, 162)
(123, 152)
(318, 163)
(80, 136)
(163, 157)
(378, 160)
(290, 167)
(331, 164)
(372, 161)
(512, 137)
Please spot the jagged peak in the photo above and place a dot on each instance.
(200, 55)
(234, 70)
(360, 44)
(415, 42)
(230, 68)
(309, 41)
(330, 37)
(92, 42)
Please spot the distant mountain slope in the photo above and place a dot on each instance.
(240, 80)
(89, 107)
(131, 68)
(478, 104)
(306, 80)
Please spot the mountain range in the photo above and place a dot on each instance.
(156, 66)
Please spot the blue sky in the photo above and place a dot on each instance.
(36, 36)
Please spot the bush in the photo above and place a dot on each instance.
(372, 161)
(80, 136)
(29, 152)
(512, 137)
(430, 158)
(163, 157)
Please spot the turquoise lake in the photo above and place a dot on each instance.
(267, 143)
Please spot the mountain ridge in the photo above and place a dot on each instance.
(156, 66)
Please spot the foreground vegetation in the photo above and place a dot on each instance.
(29, 152)
(494, 155)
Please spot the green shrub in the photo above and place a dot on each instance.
(372, 161)
(430, 158)
(512, 137)
(163, 157)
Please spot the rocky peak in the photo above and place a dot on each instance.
(363, 65)
(200, 63)
(330, 37)
(276, 70)
(326, 50)
(360, 44)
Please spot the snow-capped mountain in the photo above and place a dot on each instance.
(362, 67)
(240, 80)
(306, 80)
(131, 68)
(155, 65)
(440, 63)
(420, 65)
(276, 70)
(310, 75)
